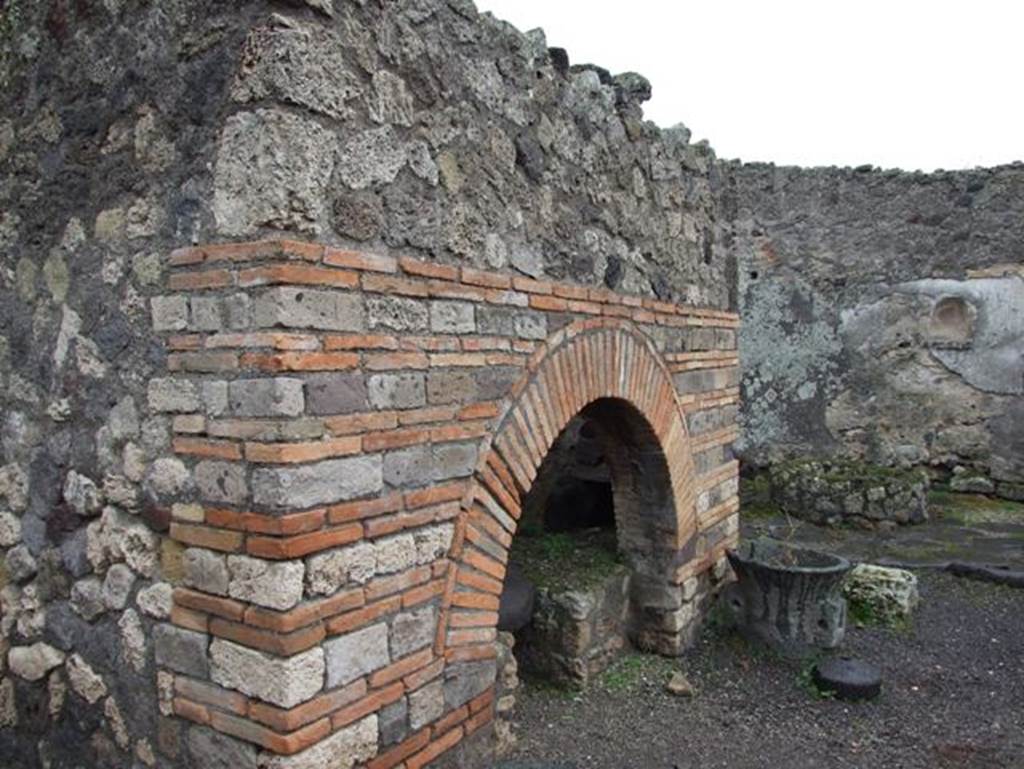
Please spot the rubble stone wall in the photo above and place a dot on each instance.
(883, 316)
(128, 130)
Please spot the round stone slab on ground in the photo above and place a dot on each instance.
(848, 679)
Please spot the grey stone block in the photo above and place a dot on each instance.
(344, 749)
(372, 157)
(725, 339)
(693, 381)
(292, 66)
(266, 583)
(396, 313)
(454, 460)
(20, 564)
(336, 393)
(703, 380)
(171, 394)
(74, 555)
(706, 461)
(221, 482)
(412, 630)
(35, 661)
(215, 398)
(466, 680)
(277, 397)
(308, 308)
(287, 188)
(206, 313)
(180, 650)
(117, 586)
(395, 554)
(494, 382)
(394, 722)
(283, 681)
(452, 317)
(451, 386)
(87, 598)
(496, 320)
(391, 102)
(412, 466)
(531, 325)
(238, 311)
(333, 480)
(170, 313)
(709, 420)
(426, 704)
(356, 654)
(701, 339)
(206, 570)
(398, 391)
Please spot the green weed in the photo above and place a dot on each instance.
(862, 614)
(805, 679)
(636, 671)
(566, 561)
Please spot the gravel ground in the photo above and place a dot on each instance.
(953, 696)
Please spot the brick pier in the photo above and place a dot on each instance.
(360, 431)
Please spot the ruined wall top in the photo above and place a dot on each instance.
(420, 127)
(878, 225)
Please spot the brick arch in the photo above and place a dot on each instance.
(605, 364)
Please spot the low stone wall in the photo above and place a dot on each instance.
(835, 492)
(576, 634)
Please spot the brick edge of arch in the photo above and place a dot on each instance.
(581, 363)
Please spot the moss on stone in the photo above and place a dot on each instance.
(756, 497)
(830, 490)
(835, 471)
(564, 561)
(972, 509)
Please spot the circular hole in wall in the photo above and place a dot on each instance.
(952, 322)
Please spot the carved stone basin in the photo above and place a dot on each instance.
(789, 598)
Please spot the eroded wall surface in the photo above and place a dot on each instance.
(131, 129)
(883, 315)
(108, 123)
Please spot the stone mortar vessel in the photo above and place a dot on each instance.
(789, 598)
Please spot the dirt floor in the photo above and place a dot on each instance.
(953, 686)
(953, 696)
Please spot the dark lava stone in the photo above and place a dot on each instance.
(848, 679)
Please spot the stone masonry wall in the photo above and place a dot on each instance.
(108, 123)
(130, 129)
(357, 441)
(883, 316)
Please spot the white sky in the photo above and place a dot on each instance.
(895, 83)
